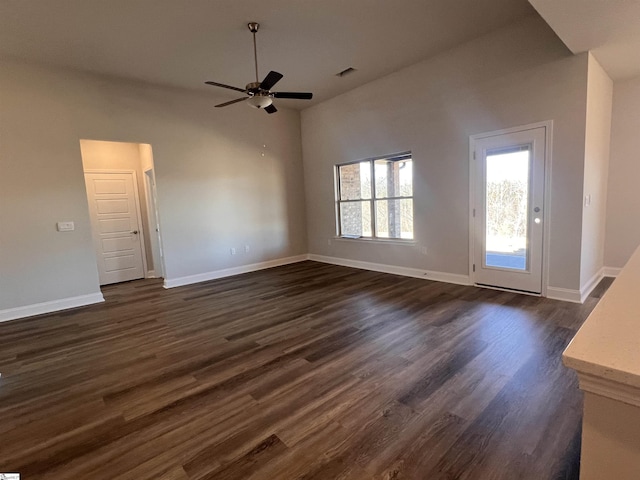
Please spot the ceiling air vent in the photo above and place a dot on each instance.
(345, 72)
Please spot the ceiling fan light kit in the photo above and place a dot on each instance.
(260, 101)
(259, 94)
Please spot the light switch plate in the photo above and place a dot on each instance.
(65, 226)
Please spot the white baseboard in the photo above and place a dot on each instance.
(557, 293)
(48, 307)
(564, 294)
(611, 271)
(579, 296)
(588, 287)
(405, 271)
(228, 272)
(151, 274)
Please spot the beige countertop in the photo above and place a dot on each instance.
(607, 345)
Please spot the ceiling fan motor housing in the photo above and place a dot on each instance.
(253, 87)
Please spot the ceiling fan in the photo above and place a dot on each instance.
(259, 94)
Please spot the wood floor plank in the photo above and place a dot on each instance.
(307, 371)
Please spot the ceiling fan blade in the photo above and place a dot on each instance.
(231, 102)
(270, 80)
(216, 84)
(271, 109)
(296, 95)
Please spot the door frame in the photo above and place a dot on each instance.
(151, 196)
(138, 211)
(548, 126)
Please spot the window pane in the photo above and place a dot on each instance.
(507, 199)
(355, 219)
(394, 178)
(355, 181)
(394, 218)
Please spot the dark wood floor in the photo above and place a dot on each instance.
(307, 371)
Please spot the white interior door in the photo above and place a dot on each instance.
(115, 222)
(508, 210)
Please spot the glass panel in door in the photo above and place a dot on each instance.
(507, 208)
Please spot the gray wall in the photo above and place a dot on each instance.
(596, 166)
(219, 187)
(516, 76)
(623, 201)
(216, 189)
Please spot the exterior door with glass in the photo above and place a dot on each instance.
(508, 206)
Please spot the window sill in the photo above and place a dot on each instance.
(388, 241)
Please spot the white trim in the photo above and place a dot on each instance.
(593, 282)
(472, 205)
(546, 233)
(564, 294)
(609, 388)
(508, 290)
(404, 271)
(548, 162)
(151, 274)
(384, 241)
(228, 272)
(151, 197)
(48, 307)
(611, 271)
(93, 298)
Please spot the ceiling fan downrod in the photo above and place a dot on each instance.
(253, 28)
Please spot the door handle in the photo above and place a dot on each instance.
(135, 232)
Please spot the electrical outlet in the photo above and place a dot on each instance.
(65, 226)
(246, 249)
(233, 251)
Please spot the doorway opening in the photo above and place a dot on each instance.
(121, 194)
(509, 174)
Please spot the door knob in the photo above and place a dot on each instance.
(135, 232)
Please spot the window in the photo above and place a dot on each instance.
(382, 208)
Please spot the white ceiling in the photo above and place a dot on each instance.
(609, 28)
(183, 43)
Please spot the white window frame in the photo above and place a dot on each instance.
(396, 157)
